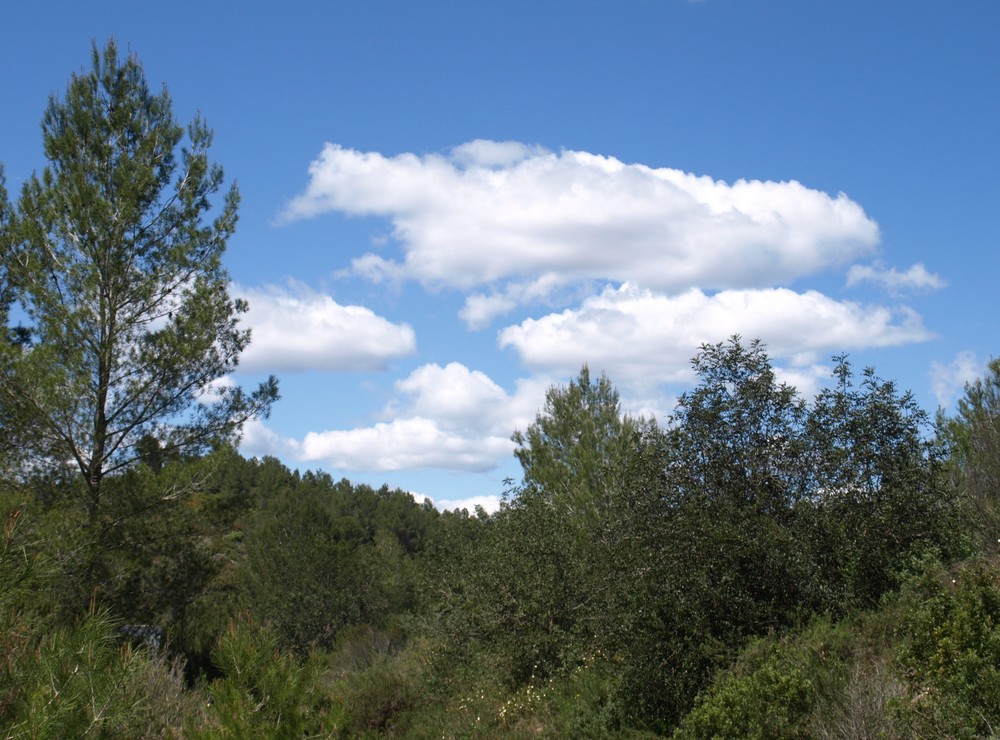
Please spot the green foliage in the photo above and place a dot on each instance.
(736, 439)
(575, 445)
(322, 556)
(951, 661)
(374, 678)
(752, 507)
(264, 693)
(538, 586)
(78, 682)
(820, 680)
(15, 445)
(121, 279)
(53, 546)
(879, 497)
(153, 551)
(303, 570)
(767, 704)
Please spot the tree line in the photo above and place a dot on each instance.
(758, 564)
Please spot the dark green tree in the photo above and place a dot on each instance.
(18, 440)
(775, 508)
(736, 439)
(114, 255)
(878, 495)
(716, 560)
(735, 468)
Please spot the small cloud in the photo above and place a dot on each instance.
(446, 418)
(258, 440)
(479, 309)
(490, 504)
(405, 444)
(376, 269)
(296, 328)
(497, 154)
(948, 381)
(916, 278)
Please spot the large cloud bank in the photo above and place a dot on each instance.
(519, 221)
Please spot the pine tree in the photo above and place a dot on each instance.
(114, 254)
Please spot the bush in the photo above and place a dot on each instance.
(824, 680)
(951, 663)
(770, 702)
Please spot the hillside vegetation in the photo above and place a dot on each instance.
(758, 566)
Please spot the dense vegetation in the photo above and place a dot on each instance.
(759, 564)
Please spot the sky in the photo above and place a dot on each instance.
(449, 207)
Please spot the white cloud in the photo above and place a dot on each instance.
(948, 381)
(454, 395)
(490, 504)
(490, 213)
(916, 278)
(296, 328)
(259, 441)
(404, 444)
(686, 260)
(498, 154)
(479, 310)
(640, 337)
(449, 418)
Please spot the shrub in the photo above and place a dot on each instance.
(951, 663)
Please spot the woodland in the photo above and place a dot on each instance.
(760, 564)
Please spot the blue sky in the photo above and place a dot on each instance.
(449, 206)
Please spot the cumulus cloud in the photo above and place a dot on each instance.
(454, 395)
(948, 380)
(916, 278)
(404, 444)
(491, 213)
(296, 328)
(449, 418)
(640, 336)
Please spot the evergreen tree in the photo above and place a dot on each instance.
(576, 446)
(114, 255)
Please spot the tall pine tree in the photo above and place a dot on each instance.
(114, 253)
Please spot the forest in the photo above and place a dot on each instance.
(760, 564)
